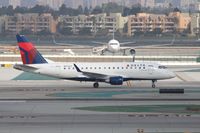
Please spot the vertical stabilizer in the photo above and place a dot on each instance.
(29, 53)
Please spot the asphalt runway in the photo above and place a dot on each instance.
(52, 107)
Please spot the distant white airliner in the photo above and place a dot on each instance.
(111, 73)
(113, 46)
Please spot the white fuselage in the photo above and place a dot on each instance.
(113, 46)
(129, 70)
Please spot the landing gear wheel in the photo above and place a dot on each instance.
(153, 84)
(132, 51)
(124, 52)
(96, 85)
(102, 52)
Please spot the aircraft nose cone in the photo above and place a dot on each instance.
(171, 74)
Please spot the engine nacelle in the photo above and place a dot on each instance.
(132, 51)
(116, 80)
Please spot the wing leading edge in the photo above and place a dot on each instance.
(91, 74)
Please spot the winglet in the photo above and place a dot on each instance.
(77, 69)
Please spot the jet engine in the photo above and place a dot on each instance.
(132, 51)
(116, 80)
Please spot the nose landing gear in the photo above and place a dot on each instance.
(153, 83)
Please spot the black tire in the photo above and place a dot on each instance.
(96, 85)
(153, 83)
(132, 51)
(153, 86)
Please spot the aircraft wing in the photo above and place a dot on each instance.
(125, 43)
(92, 75)
(159, 45)
(102, 43)
(61, 44)
(125, 48)
(98, 49)
(150, 46)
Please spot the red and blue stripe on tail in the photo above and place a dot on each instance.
(29, 53)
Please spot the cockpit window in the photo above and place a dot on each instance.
(162, 67)
(113, 43)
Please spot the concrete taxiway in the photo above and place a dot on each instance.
(52, 107)
(59, 89)
(60, 117)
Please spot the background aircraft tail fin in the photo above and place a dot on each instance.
(29, 53)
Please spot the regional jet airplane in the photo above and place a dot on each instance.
(111, 73)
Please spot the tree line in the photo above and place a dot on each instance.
(104, 8)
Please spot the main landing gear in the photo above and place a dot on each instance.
(153, 83)
(102, 52)
(96, 85)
